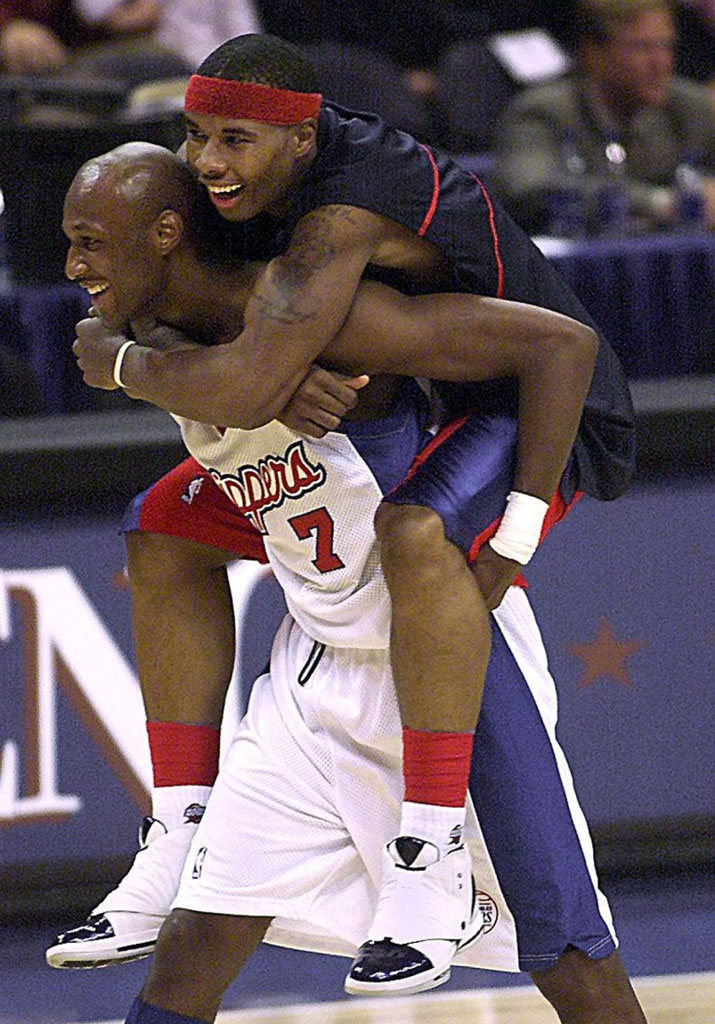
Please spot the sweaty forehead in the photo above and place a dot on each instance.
(99, 198)
(88, 189)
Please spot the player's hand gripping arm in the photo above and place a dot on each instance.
(319, 404)
(469, 337)
(552, 357)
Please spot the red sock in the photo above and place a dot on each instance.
(183, 755)
(436, 766)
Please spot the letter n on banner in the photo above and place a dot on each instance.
(65, 643)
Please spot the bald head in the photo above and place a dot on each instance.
(142, 178)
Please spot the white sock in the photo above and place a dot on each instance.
(442, 826)
(179, 805)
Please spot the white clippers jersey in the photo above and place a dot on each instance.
(313, 501)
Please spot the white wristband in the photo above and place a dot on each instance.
(519, 531)
(116, 374)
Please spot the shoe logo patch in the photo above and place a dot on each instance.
(147, 831)
(194, 813)
(192, 490)
(489, 909)
(199, 862)
(96, 927)
(409, 849)
(455, 836)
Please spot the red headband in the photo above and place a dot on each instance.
(249, 101)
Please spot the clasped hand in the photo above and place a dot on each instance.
(96, 349)
(321, 401)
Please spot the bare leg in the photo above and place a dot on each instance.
(191, 983)
(441, 635)
(586, 991)
(183, 626)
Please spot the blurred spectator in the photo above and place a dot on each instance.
(620, 143)
(60, 66)
(190, 28)
(41, 36)
(38, 36)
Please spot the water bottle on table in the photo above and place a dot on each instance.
(689, 195)
(567, 200)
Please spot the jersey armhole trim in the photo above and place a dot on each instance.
(435, 190)
(495, 238)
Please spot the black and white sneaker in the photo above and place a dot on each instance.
(125, 925)
(426, 912)
(96, 943)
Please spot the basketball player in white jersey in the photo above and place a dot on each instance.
(291, 843)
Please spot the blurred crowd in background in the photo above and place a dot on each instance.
(585, 117)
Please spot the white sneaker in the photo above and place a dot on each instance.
(125, 925)
(426, 912)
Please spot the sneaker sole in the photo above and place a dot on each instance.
(405, 987)
(92, 957)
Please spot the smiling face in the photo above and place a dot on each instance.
(247, 167)
(113, 251)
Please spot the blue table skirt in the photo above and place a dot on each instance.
(653, 297)
(38, 323)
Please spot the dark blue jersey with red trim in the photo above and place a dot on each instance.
(363, 162)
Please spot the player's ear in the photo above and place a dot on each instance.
(305, 136)
(167, 231)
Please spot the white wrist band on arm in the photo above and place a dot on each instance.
(519, 531)
(118, 363)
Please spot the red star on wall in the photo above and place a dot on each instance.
(605, 657)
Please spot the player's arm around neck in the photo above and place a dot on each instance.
(296, 307)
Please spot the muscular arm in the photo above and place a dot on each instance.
(469, 337)
(463, 337)
(295, 309)
(551, 356)
(455, 337)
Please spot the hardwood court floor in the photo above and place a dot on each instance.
(675, 999)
